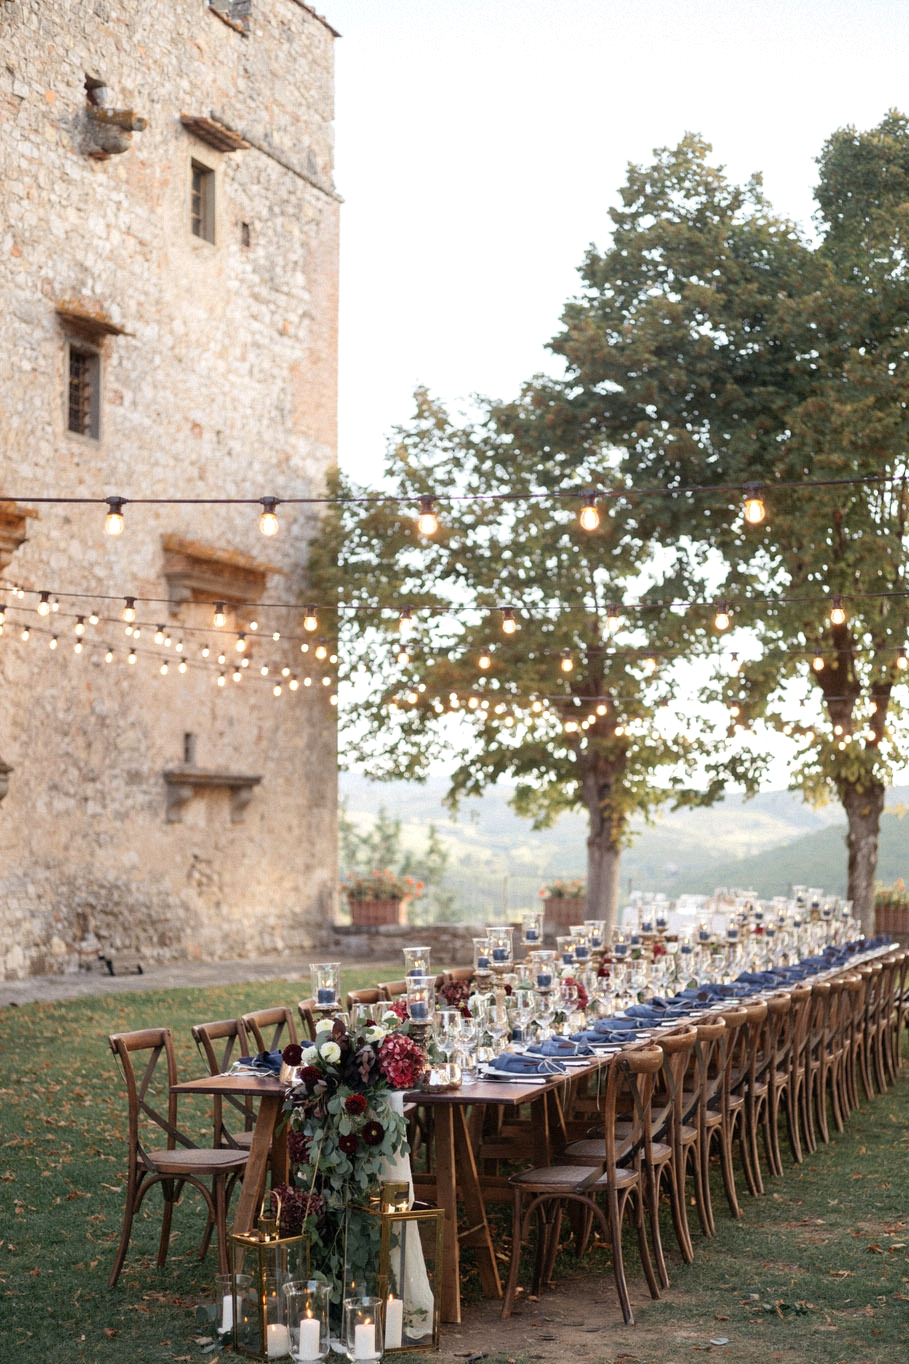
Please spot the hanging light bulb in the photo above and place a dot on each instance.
(484, 660)
(26, 633)
(132, 656)
(109, 656)
(264, 670)
(536, 706)
(222, 680)
(837, 612)
(310, 619)
(129, 610)
(509, 624)
(612, 619)
(427, 521)
(52, 643)
(178, 647)
(588, 516)
(566, 662)
(754, 509)
(276, 635)
(55, 604)
(571, 726)
(244, 662)
(277, 689)
(167, 641)
(2, 613)
(77, 647)
(136, 631)
(902, 662)
(817, 662)
(163, 670)
(205, 651)
(723, 618)
(268, 521)
(222, 659)
(253, 625)
(735, 709)
(405, 621)
(321, 652)
(294, 683)
(94, 618)
(181, 666)
(79, 627)
(159, 634)
(402, 656)
(113, 521)
(44, 605)
(240, 645)
(307, 681)
(237, 675)
(219, 616)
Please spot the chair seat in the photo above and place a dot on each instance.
(566, 1179)
(193, 1160)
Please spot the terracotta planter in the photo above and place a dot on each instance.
(891, 919)
(370, 913)
(561, 911)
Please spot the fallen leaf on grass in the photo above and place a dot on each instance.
(841, 1273)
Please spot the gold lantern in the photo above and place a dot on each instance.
(410, 1268)
(266, 1268)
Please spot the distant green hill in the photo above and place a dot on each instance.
(497, 862)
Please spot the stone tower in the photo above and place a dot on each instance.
(168, 298)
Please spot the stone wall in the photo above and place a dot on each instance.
(218, 381)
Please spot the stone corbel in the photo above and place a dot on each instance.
(110, 130)
(182, 783)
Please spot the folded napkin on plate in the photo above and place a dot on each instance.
(511, 1063)
(600, 1038)
(637, 1012)
(559, 1046)
(617, 1024)
(269, 1062)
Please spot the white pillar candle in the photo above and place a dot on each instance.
(394, 1323)
(278, 1340)
(227, 1314)
(309, 1338)
(365, 1341)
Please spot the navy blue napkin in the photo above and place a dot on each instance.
(617, 1024)
(512, 1063)
(559, 1046)
(269, 1062)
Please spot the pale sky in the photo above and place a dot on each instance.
(480, 143)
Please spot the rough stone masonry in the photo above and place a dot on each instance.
(168, 297)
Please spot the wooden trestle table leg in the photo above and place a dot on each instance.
(456, 1174)
(264, 1140)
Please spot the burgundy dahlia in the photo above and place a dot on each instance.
(355, 1105)
(372, 1132)
(292, 1054)
(349, 1143)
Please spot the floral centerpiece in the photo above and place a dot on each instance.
(346, 1128)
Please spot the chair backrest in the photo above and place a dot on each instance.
(281, 1022)
(374, 995)
(678, 1048)
(459, 973)
(628, 1090)
(231, 1035)
(148, 1079)
(306, 1008)
(393, 989)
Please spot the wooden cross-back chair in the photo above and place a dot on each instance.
(617, 1177)
(220, 1044)
(149, 1070)
(270, 1029)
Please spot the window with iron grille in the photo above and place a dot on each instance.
(202, 202)
(83, 404)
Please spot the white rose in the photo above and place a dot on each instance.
(330, 1052)
(390, 1018)
(375, 1033)
(324, 1025)
(310, 1055)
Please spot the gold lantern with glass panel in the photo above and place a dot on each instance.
(265, 1270)
(410, 1268)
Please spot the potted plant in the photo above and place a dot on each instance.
(891, 908)
(379, 897)
(565, 903)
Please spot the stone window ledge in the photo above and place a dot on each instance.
(182, 783)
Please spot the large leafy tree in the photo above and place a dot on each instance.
(570, 716)
(716, 347)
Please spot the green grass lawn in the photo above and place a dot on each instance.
(818, 1266)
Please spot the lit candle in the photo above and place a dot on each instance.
(544, 980)
(365, 1341)
(324, 995)
(482, 963)
(227, 1314)
(394, 1323)
(419, 1009)
(278, 1340)
(499, 954)
(310, 1329)
(530, 935)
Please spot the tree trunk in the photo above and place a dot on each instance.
(863, 806)
(604, 849)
